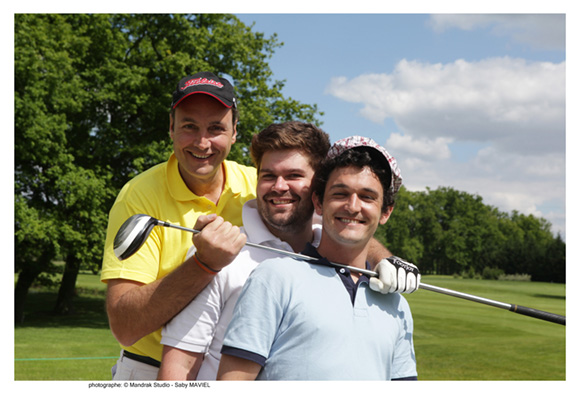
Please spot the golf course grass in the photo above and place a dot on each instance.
(454, 339)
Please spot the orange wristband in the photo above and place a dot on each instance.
(205, 267)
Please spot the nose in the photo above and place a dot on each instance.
(280, 184)
(201, 140)
(352, 203)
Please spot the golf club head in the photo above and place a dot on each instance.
(132, 235)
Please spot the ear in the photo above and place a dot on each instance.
(385, 216)
(171, 126)
(317, 204)
(235, 133)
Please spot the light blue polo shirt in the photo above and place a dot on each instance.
(297, 320)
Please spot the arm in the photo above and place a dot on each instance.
(136, 309)
(178, 364)
(377, 252)
(235, 368)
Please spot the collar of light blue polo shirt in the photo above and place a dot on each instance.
(179, 190)
(343, 273)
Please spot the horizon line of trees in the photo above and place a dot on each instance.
(449, 232)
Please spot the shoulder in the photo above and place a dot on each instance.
(281, 272)
(240, 169)
(147, 179)
(240, 179)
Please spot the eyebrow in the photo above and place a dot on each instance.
(291, 170)
(192, 120)
(344, 186)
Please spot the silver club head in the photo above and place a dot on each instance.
(132, 235)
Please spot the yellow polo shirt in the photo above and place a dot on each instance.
(161, 192)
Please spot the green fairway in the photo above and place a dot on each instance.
(455, 339)
(75, 347)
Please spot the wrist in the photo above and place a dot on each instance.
(204, 266)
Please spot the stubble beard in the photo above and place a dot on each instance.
(292, 223)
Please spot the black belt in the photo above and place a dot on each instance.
(142, 359)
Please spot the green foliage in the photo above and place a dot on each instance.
(445, 231)
(92, 97)
(492, 273)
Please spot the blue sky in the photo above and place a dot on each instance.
(475, 102)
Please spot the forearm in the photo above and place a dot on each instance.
(178, 364)
(136, 310)
(235, 368)
(377, 252)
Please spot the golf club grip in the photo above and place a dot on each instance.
(551, 317)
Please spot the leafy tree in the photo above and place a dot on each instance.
(92, 96)
(445, 231)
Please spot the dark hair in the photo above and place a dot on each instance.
(357, 157)
(304, 137)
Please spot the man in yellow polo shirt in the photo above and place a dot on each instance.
(146, 290)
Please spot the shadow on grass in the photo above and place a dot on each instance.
(89, 311)
(550, 296)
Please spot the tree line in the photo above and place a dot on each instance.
(91, 98)
(446, 231)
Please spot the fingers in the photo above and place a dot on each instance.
(219, 242)
(204, 220)
(377, 285)
(396, 276)
(401, 280)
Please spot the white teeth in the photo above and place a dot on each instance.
(276, 202)
(349, 221)
(199, 156)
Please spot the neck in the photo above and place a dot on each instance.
(351, 255)
(297, 238)
(210, 187)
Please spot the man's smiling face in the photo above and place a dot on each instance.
(203, 132)
(351, 210)
(284, 190)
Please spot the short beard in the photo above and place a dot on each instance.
(294, 223)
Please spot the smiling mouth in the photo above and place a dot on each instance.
(349, 221)
(279, 201)
(197, 156)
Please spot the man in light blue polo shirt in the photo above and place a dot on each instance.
(312, 321)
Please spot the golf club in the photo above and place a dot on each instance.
(135, 231)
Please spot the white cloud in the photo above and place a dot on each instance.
(515, 103)
(422, 148)
(508, 181)
(541, 31)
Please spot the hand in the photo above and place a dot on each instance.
(395, 276)
(218, 242)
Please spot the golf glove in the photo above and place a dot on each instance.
(395, 276)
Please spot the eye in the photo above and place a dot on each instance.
(188, 126)
(267, 177)
(217, 129)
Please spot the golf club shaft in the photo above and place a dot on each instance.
(551, 317)
(522, 310)
(280, 251)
